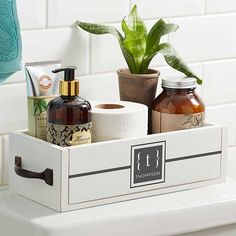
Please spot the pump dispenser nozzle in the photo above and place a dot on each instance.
(69, 86)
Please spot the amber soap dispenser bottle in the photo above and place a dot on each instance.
(68, 116)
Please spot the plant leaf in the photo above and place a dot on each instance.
(153, 39)
(135, 36)
(100, 29)
(175, 61)
(159, 29)
(146, 61)
(103, 29)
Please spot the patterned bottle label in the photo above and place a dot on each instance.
(164, 122)
(69, 135)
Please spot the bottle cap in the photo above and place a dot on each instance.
(68, 86)
(179, 82)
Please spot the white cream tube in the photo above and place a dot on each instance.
(42, 87)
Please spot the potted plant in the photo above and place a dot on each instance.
(138, 82)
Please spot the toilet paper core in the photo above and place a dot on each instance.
(109, 106)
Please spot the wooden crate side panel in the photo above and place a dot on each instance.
(64, 179)
(36, 156)
(224, 145)
(116, 154)
(141, 195)
(117, 183)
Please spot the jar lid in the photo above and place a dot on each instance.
(179, 82)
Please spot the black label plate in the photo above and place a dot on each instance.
(148, 164)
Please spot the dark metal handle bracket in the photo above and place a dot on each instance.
(46, 175)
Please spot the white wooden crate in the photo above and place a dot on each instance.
(113, 171)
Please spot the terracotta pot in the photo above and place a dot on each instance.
(139, 88)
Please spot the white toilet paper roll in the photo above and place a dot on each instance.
(118, 120)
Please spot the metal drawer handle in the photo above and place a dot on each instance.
(46, 175)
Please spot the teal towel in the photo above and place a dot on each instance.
(10, 39)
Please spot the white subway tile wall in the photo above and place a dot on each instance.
(202, 38)
(13, 107)
(206, 40)
(220, 81)
(218, 6)
(150, 9)
(225, 115)
(106, 55)
(32, 14)
(65, 13)
(102, 87)
(67, 44)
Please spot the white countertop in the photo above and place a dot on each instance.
(168, 214)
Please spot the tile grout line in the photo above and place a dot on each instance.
(205, 7)
(90, 54)
(183, 17)
(112, 72)
(144, 18)
(130, 5)
(166, 66)
(235, 129)
(203, 84)
(46, 13)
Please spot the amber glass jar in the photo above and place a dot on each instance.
(178, 107)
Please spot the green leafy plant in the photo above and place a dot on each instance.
(140, 47)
